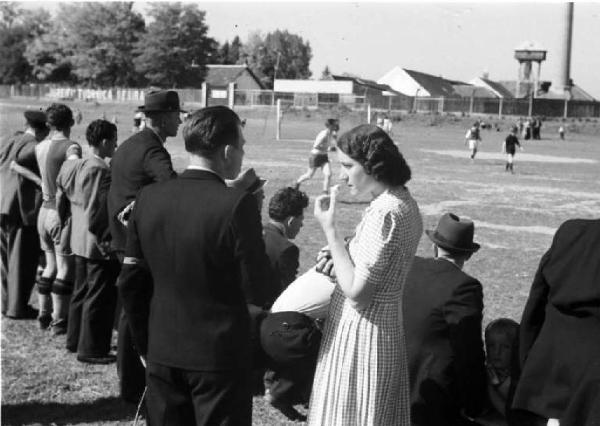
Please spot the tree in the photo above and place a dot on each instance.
(18, 28)
(229, 53)
(235, 51)
(223, 56)
(279, 54)
(326, 73)
(90, 42)
(177, 48)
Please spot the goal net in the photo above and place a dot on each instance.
(297, 122)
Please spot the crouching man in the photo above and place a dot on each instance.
(290, 337)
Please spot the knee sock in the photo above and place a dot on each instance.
(44, 287)
(61, 298)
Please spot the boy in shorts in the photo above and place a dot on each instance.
(473, 138)
(55, 284)
(325, 141)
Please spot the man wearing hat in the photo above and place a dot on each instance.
(443, 309)
(139, 161)
(20, 200)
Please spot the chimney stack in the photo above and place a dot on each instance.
(562, 84)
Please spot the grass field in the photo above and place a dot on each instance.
(515, 218)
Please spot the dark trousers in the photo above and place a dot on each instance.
(178, 397)
(132, 374)
(92, 309)
(291, 342)
(19, 251)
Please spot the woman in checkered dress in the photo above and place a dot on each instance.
(362, 371)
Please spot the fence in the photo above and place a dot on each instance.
(254, 98)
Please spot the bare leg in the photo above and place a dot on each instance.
(61, 299)
(306, 176)
(326, 176)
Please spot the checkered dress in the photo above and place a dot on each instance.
(362, 371)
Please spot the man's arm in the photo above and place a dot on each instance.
(26, 173)
(257, 282)
(98, 211)
(463, 314)
(534, 313)
(157, 164)
(288, 265)
(135, 288)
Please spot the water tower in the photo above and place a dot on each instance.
(527, 53)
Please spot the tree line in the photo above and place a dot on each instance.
(108, 44)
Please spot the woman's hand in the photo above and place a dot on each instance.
(325, 209)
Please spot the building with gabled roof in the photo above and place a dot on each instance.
(416, 83)
(470, 90)
(240, 74)
(498, 90)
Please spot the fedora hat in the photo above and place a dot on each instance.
(35, 118)
(161, 100)
(248, 181)
(454, 233)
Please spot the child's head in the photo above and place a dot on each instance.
(102, 137)
(332, 124)
(501, 343)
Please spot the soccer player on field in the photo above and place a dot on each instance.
(473, 139)
(325, 140)
(509, 147)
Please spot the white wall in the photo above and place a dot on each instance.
(401, 81)
(313, 86)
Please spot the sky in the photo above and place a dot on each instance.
(458, 41)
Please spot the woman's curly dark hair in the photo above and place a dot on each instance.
(376, 152)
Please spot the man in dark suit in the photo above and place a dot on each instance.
(139, 161)
(560, 327)
(201, 242)
(20, 200)
(286, 216)
(442, 319)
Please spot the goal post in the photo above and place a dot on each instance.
(295, 123)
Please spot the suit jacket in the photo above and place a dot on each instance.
(202, 242)
(20, 198)
(442, 319)
(79, 186)
(283, 255)
(140, 160)
(560, 327)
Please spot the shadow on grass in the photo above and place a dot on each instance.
(100, 410)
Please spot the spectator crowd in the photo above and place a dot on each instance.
(210, 306)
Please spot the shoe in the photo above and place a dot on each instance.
(58, 327)
(286, 409)
(44, 321)
(107, 359)
(27, 313)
